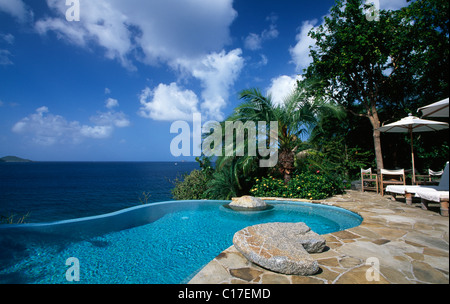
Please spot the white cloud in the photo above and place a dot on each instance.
(217, 72)
(100, 23)
(281, 86)
(8, 38)
(111, 103)
(187, 35)
(168, 102)
(160, 31)
(263, 61)
(4, 57)
(98, 132)
(111, 118)
(254, 41)
(15, 8)
(48, 129)
(64, 31)
(300, 52)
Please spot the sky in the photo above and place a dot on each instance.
(104, 80)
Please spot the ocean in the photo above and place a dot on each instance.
(51, 191)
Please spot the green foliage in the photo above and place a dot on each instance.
(192, 187)
(378, 71)
(143, 197)
(312, 186)
(385, 69)
(295, 117)
(223, 185)
(14, 219)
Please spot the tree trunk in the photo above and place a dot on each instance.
(286, 162)
(378, 152)
(377, 140)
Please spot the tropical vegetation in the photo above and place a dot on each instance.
(364, 73)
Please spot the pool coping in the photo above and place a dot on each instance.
(395, 244)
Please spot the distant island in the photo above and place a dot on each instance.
(14, 159)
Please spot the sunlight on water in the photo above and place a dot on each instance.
(169, 250)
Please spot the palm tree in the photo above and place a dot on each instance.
(296, 117)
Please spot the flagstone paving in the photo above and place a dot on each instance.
(411, 246)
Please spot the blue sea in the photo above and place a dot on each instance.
(51, 191)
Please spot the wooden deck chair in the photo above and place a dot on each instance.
(432, 178)
(369, 180)
(391, 177)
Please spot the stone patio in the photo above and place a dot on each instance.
(410, 244)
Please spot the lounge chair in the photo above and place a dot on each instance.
(391, 177)
(434, 192)
(432, 178)
(369, 180)
(431, 195)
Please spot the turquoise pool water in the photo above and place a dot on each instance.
(170, 249)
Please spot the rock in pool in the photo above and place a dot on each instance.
(247, 203)
(281, 247)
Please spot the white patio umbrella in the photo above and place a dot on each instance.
(412, 124)
(437, 109)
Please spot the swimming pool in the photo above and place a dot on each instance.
(166, 242)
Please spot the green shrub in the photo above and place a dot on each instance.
(11, 219)
(193, 186)
(312, 186)
(223, 185)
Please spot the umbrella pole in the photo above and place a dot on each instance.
(412, 156)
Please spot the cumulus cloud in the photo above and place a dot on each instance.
(111, 103)
(281, 86)
(160, 31)
(187, 35)
(300, 52)
(100, 23)
(110, 118)
(254, 41)
(217, 72)
(45, 128)
(16, 8)
(168, 102)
